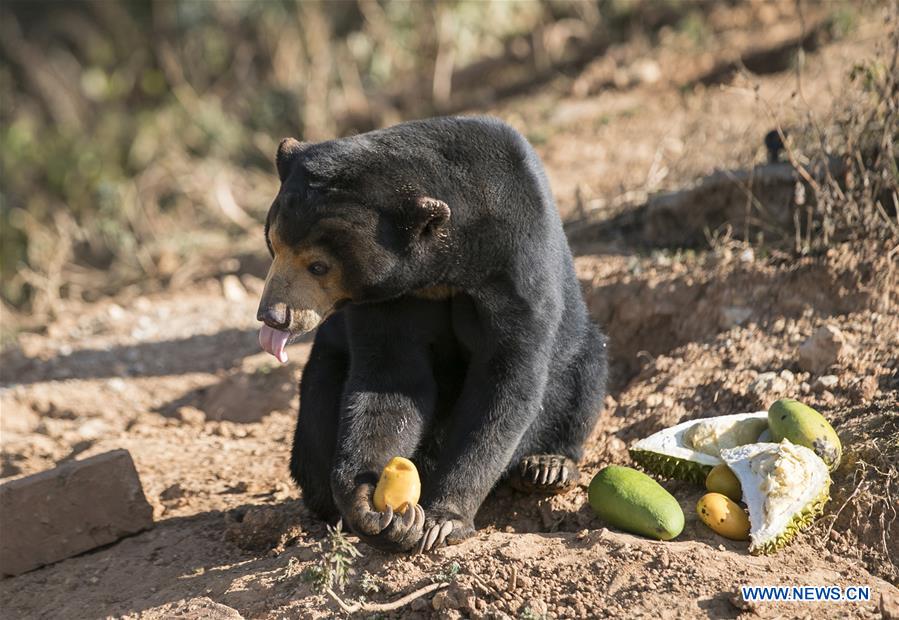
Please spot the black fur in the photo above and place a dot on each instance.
(466, 386)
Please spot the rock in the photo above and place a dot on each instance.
(191, 415)
(864, 390)
(70, 509)
(736, 599)
(827, 382)
(823, 349)
(232, 288)
(175, 491)
(889, 605)
(93, 429)
(454, 597)
(664, 560)
(262, 528)
(535, 606)
(442, 600)
(768, 383)
(116, 312)
(200, 608)
(644, 71)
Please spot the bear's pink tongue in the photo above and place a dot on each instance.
(273, 341)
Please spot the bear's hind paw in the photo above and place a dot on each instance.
(547, 474)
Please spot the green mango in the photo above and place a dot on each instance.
(800, 424)
(632, 501)
(722, 480)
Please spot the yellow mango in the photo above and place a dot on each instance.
(399, 486)
(724, 516)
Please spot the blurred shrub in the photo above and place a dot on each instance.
(136, 135)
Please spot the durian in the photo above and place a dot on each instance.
(691, 449)
(785, 487)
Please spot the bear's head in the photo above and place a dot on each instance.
(346, 226)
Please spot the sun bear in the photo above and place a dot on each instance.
(451, 327)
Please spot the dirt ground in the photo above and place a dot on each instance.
(177, 379)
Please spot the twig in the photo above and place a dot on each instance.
(229, 206)
(487, 589)
(380, 607)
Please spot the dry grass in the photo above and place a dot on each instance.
(865, 494)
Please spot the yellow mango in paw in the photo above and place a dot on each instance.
(399, 486)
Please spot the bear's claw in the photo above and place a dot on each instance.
(388, 530)
(545, 473)
(443, 528)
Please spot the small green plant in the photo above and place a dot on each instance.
(335, 565)
(315, 575)
(369, 583)
(448, 573)
(844, 20)
(529, 614)
(695, 26)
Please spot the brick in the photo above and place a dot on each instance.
(70, 509)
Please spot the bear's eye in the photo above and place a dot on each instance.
(318, 268)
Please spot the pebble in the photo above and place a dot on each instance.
(115, 312)
(865, 389)
(172, 492)
(827, 382)
(823, 349)
(191, 415)
(664, 560)
(768, 382)
(93, 429)
(233, 289)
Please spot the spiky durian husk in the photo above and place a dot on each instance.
(804, 519)
(670, 467)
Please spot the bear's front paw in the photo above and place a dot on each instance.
(444, 527)
(387, 531)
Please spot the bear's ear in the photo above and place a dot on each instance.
(431, 216)
(288, 149)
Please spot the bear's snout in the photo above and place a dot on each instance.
(276, 316)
